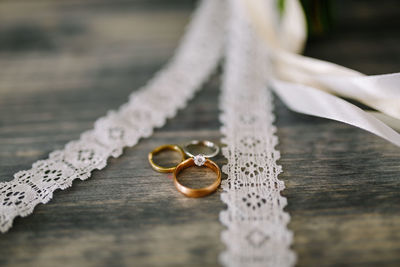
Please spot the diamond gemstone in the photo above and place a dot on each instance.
(199, 160)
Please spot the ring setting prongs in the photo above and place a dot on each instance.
(199, 160)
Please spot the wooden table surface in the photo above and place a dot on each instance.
(65, 63)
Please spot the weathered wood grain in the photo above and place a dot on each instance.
(63, 64)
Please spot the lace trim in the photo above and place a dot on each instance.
(147, 108)
(257, 233)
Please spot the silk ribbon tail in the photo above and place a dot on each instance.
(311, 101)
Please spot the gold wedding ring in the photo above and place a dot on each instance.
(198, 160)
(197, 192)
(163, 148)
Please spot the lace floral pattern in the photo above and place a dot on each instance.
(147, 108)
(256, 233)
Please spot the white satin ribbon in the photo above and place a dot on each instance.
(310, 86)
(311, 101)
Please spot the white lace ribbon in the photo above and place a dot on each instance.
(199, 52)
(257, 233)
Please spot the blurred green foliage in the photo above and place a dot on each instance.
(319, 14)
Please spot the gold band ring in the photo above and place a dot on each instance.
(163, 148)
(197, 192)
